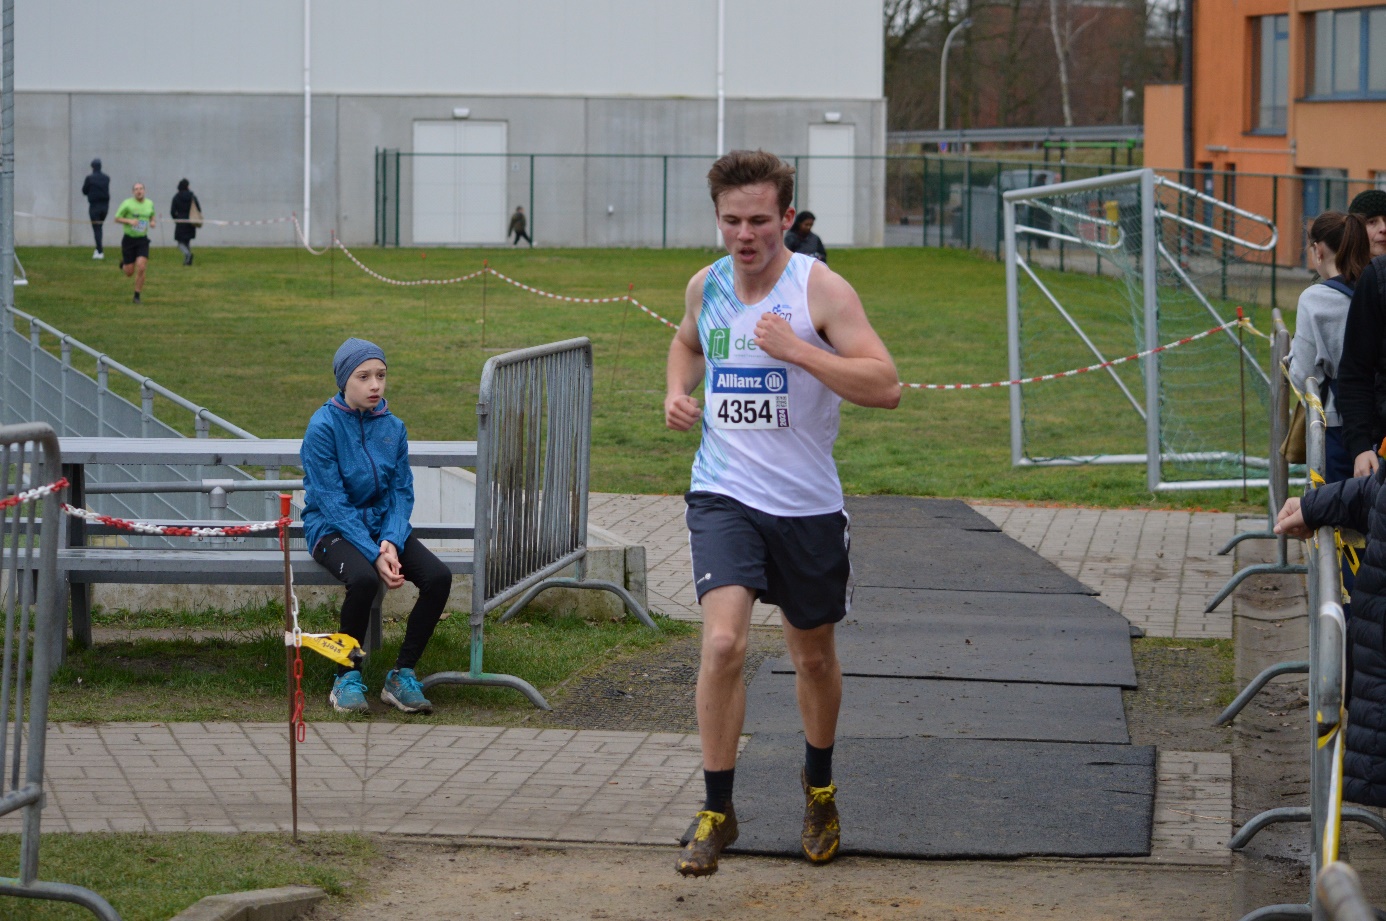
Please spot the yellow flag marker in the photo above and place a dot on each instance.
(340, 648)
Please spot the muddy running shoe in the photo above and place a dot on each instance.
(402, 690)
(349, 694)
(715, 831)
(821, 828)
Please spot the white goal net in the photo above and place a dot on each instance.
(1099, 269)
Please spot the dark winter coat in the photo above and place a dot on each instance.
(1362, 370)
(97, 188)
(810, 244)
(1361, 504)
(179, 210)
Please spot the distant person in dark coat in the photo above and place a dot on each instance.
(517, 227)
(97, 189)
(183, 229)
(800, 237)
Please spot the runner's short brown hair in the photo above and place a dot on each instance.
(752, 167)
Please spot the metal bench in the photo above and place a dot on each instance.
(531, 460)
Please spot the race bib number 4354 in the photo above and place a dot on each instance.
(749, 398)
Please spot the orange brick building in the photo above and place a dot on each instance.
(1281, 88)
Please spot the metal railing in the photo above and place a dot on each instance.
(38, 385)
(1278, 492)
(33, 611)
(1327, 662)
(534, 434)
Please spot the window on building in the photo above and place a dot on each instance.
(1348, 49)
(1272, 80)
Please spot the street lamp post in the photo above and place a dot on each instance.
(943, 74)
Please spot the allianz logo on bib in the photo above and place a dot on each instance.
(749, 380)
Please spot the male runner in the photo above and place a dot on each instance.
(137, 214)
(778, 340)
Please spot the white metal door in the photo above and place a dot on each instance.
(831, 183)
(459, 199)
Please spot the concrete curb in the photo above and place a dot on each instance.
(282, 904)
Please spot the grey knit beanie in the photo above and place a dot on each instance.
(350, 357)
(1369, 204)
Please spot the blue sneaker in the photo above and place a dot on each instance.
(349, 694)
(402, 689)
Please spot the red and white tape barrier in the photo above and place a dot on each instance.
(171, 220)
(140, 527)
(28, 495)
(487, 270)
(1242, 322)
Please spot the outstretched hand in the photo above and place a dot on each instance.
(1290, 521)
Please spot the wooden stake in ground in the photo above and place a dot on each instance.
(292, 664)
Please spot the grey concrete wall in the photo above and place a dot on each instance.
(243, 156)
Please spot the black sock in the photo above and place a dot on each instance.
(818, 765)
(719, 789)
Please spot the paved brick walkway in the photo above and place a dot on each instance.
(589, 786)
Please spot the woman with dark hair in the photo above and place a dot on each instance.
(801, 239)
(184, 228)
(1339, 249)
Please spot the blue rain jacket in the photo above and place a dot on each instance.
(356, 477)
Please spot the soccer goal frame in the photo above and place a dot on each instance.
(1104, 233)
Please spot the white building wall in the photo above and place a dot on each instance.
(213, 92)
(774, 48)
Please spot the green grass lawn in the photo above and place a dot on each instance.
(154, 877)
(241, 675)
(250, 333)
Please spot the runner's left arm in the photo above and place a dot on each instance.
(862, 371)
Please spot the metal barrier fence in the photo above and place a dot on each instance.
(1278, 477)
(534, 434)
(897, 199)
(1327, 666)
(37, 385)
(29, 460)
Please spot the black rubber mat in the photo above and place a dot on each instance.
(955, 798)
(953, 558)
(880, 605)
(989, 647)
(905, 512)
(896, 708)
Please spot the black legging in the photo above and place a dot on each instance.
(97, 213)
(341, 558)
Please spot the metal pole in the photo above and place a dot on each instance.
(1275, 219)
(7, 166)
(289, 649)
(1150, 294)
(307, 122)
(531, 199)
(1013, 331)
(721, 74)
(664, 212)
(943, 74)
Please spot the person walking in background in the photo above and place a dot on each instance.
(517, 227)
(97, 189)
(1362, 370)
(802, 239)
(1338, 252)
(186, 212)
(137, 214)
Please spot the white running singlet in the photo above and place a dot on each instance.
(768, 426)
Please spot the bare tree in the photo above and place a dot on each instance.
(1064, 35)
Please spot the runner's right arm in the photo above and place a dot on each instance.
(686, 365)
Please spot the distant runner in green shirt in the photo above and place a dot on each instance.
(137, 214)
